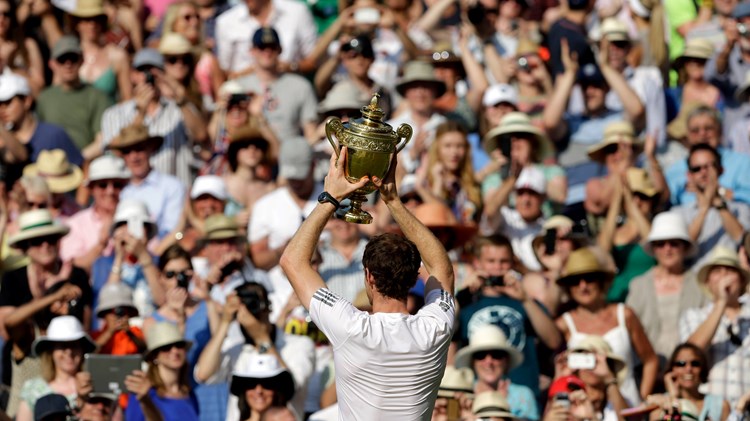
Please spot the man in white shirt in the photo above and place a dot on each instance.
(388, 364)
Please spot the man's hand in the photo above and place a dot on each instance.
(336, 183)
(231, 307)
(513, 288)
(387, 186)
(83, 384)
(257, 329)
(144, 94)
(67, 293)
(569, 59)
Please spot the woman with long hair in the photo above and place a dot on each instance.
(18, 52)
(648, 17)
(449, 175)
(260, 385)
(163, 391)
(693, 85)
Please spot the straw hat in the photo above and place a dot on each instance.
(488, 338)
(115, 295)
(161, 334)
(131, 209)
(343, 96)
(526, 47)
(742, 91)
(491, 404)
(420, 71)
(220, 227)
(614, 133)
(677, 129)
(668, 226)
(640, 182)
(88, 8)
(517, 122)
(134, 135)
(726, 257)
(582, 262)
(456, 380)
(597, 344)
(696, 48)
(53, 165)
(614, 30)
(264, 368)
(108, 167)
(440, 220)
(37, 223)
(64, 329)
(174, 44)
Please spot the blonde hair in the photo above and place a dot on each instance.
(465, 170)
(170, 17)
(49, 370)
(656, 41)
(35, 184)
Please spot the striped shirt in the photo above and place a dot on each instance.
(175, 155)
(343, 276)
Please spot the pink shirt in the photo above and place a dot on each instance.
(85, 228)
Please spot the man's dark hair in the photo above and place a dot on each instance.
(496, 240)
(708, 148)
(394, 262)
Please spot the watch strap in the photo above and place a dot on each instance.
(326, 197)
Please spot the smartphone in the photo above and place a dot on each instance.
(562, 399)
(230, 268)
(150, 78)
(550, 238)
(581, 361)
(367, 15)
(453, 411)
(494, 281)
(135, 228)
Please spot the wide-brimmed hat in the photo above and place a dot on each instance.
(174, 44)
(161, 334)
(669, 226)
(615, 133)
(526, 46)
(265, 368)
(295, 159)
(37, 223)
(220, 227)
(557, 222)
(108, 167)
(456, 380)
(88, 8)
(53, 165)
(491, 404)
(743, 90)
(343, 96)
(517, 122)
(640, 182)
(440, 219)
(725, 257)
(249, 133)
(134, 135)
(488, 338)
(696, 48)
(64, 329)
(114, 295)
(582, 262)
(597, 344)
(677, 129)
(420, 71)
(132, 209)
(614, 30)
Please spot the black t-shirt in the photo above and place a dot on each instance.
(577, 41)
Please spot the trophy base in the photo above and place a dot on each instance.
(357, 216)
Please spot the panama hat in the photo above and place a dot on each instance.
(677, 129)
(420, 71)
(614, 30)
(64, 329)
(343, 96)
(456, 380)
(174, 44)
(37, 223)
(726, 257)
(491, 404)
(597, 344)
(696, 48)
(668, 226)
(639, 182)
(220, 227)
(114, 295)
(135, 135)
(488, 338)
(161, 334)
(526, 47)
(581, 262)
(265, 369)
(518, 122)
(132, 209)
(53, 165)
(440, 219)
(108, 167)
(615, 133)
(88, 8)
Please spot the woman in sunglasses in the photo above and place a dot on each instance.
(262, 383)
(687, 370)
(163, 391)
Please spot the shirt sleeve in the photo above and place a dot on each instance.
(440, 304)
(332, 314)
(223, 44)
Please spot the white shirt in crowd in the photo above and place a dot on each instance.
(521, 233)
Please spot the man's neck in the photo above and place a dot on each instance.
(70, 86)
(267, 76)
(26, 129)
(382, 304)
(261, 11)
(139, 180)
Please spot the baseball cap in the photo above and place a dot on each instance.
(266, 37)
(295, 159)
(566, 384)
(12, 85)
(741, 10)
(67, 44)
(49, 405)
(589, 74)
(360, 45)
(532, 179)
(500, 93)
(148, 57)
(212, 185)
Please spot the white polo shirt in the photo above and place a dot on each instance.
(388, 365)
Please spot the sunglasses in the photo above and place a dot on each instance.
(6, 14)
(691, 363)
(178, 345)
(36, 242)
(620, 44)
(672, 243)
(185, 59)
(264, 383)
(697, 168)
(610, 149)
(173, 273)
(37, 205)
(103, 184)
(69, 58)
(134, 148)
(122, 311)
(494, 353)
(698, 129)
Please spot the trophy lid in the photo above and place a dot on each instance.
(372, 114)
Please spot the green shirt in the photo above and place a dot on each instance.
(78, 111)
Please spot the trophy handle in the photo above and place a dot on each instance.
(334, 126)
(404, 133)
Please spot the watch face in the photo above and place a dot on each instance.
(322, 198)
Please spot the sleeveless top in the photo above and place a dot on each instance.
(619, 340)
(107, 83)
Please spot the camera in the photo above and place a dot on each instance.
(743, 30)
(238, 98)
(230, 268)
(562, 399)
(476, 14)
(251, 300)
(523, 64)
(550, 239)
(150, 78)
(183, 280)
(494, 281)
(581, 361)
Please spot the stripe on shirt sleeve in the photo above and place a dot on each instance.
(326, 297)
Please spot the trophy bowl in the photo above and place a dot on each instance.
(370, 145)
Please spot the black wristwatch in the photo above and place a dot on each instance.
(325, 197)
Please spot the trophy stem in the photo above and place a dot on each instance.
(356, 214)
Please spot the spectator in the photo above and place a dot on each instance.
(52, 407)
(70, 103)
(89, 229)
(530, 76)
(711, 328)
(737, 140)
(259, 385)
(458, 385)
(62, 178)
(163, 391)
(664, 292)
(570, 28)
(161, 104)
(166, 195)
(498, 100)
(693, 85)
(180, 65)
(492, 406)
(648, 18)
(61, 353)
(491, 357)
(23, 57)
(341, 268)
(116, 336)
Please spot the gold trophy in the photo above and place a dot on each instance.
(370, 144)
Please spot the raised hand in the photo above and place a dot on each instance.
(569, 59)
(336, 183)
